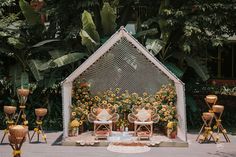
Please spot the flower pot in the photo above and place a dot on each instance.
(173, 134)
(9, 109)
(211, 99)
(14, 140)
(41, 112)
(23, 92)
(207, 115)
(17, 133)
(122, 128)
(218, 108)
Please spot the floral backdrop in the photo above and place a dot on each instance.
(82, 101)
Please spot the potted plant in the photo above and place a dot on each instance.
(172, 129)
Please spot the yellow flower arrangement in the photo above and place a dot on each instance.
(163, 100)
(165, 104)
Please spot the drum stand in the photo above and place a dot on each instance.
(218, 111)
(9, 112)
(22, 96)
(206, 132)
(40, 113)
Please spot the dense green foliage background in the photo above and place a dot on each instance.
(42, 43)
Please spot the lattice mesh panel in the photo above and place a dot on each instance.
(124, 67)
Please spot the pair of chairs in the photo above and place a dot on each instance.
(104, 115)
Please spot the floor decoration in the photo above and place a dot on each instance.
(130, 148)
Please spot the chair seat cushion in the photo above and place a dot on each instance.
(102, 122)
(143, 123)
(143, 134)
(102, 133)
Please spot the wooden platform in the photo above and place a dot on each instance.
(157, 140)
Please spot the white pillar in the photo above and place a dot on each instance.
(66, 103)
(181, 111)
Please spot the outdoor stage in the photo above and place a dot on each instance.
(123, 138)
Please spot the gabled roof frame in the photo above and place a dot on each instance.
(67, 84)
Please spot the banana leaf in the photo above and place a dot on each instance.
(46, 65)
(88, 41)
(174, 69)
(152, 31)
(15, 71)
(195, 62)
(24, 80)
(89, 26)
(198, 66)
(34, 66)
(31, 16)
(68, 59)
(57, 53)
(108, 17)
(44, 42)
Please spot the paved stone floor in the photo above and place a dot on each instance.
(54, 149)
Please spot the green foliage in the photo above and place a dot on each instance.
(108, 17)
(89, 26)
(68, 59)
(193, 113)
(4, 4)
(15, 43)
(174, 69)
(88, 41)
(31, 16)
(176, 32)
(197, 64)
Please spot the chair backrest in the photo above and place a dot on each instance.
(143, 114)
(103, 113)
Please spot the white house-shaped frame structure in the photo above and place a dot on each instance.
(134, 59)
